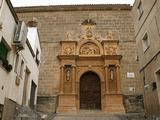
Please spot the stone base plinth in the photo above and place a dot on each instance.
(66, 103)
(113, 103)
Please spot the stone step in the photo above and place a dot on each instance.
(97, 115)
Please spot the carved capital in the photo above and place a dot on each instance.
(62, 66)
(117, 65)
(73, 66)
(106, 66)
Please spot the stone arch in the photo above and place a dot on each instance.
(94, 44)
(96, 71)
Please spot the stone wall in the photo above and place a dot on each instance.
(10, 109)
(134, 103)
(47, 103)
(55, 22)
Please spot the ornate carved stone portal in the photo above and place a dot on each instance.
(90, 73)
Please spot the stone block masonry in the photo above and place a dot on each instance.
(55, 22)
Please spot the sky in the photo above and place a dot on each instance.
(17, 3)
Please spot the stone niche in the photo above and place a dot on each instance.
(90, 56)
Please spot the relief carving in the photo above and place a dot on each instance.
(68, 50)
(89, 49)
(111, 50)
(89, 32)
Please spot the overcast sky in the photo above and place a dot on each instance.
(67, 2)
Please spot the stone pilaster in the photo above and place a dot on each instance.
(61, 79)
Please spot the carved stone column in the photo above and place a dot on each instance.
(61, 79)
(106, 81)
(73, 79)
(118, 79)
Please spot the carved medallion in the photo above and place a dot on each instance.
(111, 49)
(68, 50)
(89, 49)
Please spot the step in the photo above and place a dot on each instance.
(96, 115)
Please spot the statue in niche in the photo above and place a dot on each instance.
(112, 78)
(109, 35)
(111, 74)
(68, 74)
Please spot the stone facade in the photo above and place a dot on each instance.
(147, 33)
(60, 24)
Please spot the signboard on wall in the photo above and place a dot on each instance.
(130, 75)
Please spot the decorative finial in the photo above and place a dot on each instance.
(68, 36)
(109, 35)
(33, 22)
(89, 22)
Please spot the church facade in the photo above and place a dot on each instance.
(89, 58)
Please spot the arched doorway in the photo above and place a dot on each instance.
(90, 91)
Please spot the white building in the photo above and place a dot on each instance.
(19, 67)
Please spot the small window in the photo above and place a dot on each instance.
(140, 9)
(3, 50)
(145, 42)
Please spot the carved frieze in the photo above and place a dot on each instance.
(111, 49)
(89, 49)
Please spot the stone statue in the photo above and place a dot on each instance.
(68, 74)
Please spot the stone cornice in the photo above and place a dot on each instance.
(100, 7)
